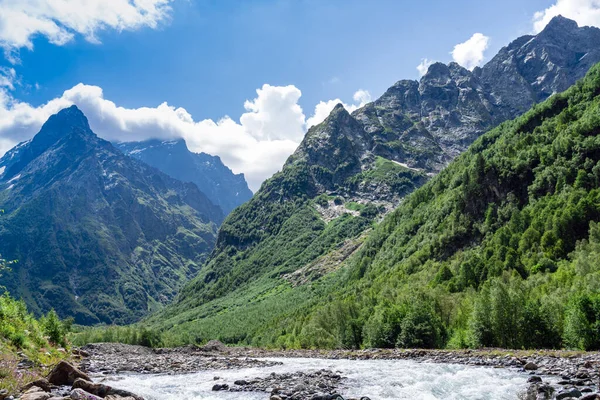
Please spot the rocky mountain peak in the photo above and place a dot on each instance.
(560, 24)
(99, 236)
(437, 72)
(69, 125)
(64, 122)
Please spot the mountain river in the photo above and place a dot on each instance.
(377, 379)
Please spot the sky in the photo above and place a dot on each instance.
(242, 79)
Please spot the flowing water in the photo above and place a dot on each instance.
(378, 379)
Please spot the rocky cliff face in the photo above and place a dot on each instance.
(213, 178)
(97, 235)
(425, 124)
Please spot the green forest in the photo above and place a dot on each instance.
(499, 249)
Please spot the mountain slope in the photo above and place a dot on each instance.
(213, 178)
(97, 235)
(515, 217)
(500, 249)
(351, 169)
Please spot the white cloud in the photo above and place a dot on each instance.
(323, 109)
(60, 20)
(469, 54)
(585, 12)
(423, 67)
(8, 77)
(257, 145)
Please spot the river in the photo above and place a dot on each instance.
(377, 379)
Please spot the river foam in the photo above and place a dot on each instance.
(378, 379)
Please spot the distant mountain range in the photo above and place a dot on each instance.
(98, 236)
(274, 254)
(213, 178)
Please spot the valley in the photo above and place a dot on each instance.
(438, 241)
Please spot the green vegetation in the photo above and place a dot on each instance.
(37, 340)
(399, 179)
(499, 250)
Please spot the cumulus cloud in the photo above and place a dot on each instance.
(424, 66)
(60, 20)
(322, 110)
(585, 12)
(469, 54)
(258, 145)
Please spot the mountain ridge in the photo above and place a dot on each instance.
(213, 178)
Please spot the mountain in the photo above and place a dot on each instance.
(499, 250)
(278, 254)
(98, 236)
(213, 178)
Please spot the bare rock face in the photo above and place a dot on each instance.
(66, 374)
(425, 124)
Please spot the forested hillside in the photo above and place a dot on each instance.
(500, 249)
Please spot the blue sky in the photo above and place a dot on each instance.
(208, 57)
(212, 55)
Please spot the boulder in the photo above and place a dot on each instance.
(80, 394)
(568, 394)
(41, 383)
(3, 394)
(592, 396)
(102, 390)
(64, 373)
(35, 393)
(213, 345)
(530, 366)
(218, 388)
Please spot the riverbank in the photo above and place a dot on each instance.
(551, 374)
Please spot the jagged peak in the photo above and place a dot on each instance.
(72, 116)
(436, 69)
(62, 123)
(560, 23)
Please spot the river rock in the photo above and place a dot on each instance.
(593, 396)
(214, 345)
(220, 387)
(35, 393)
(64, 373)
(568, 393)
(80, 394)
(41, 383)
(99, 389)
(530, 366)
